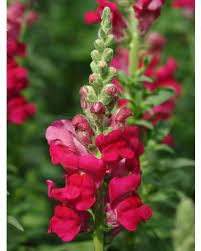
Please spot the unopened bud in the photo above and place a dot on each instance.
(102, 67)
(99, 44)
(92, 78)
(108, 54)
(88, 93)
(109, 93)
(118, 120)
(95, 55)
(84, 131)
(98, 108)
(84, 103)
(80, 122)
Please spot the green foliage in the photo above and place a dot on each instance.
(183, 234)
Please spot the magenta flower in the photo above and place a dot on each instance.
(66, 222)
(188, 5)
(121, 150)
(18, 110)
(79, 191)
(147, 11)
(126, 207)
(65, 147)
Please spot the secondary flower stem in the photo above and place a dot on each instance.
(134, 44)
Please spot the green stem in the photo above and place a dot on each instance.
(98, 240)
(98, 235)
(134, 44)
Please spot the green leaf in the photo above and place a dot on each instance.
(183, 162)
(160, 97)
(163, 147)
(123, 79)
(14, 222)
(144, 78)
(144, 123)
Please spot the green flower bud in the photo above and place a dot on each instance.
(95, 55)
(109, 94)
(99, 44)
(94, 67)
(107, 55)
(88, 93)
(102, 67)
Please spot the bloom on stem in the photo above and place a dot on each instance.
(125, 203)
(66, 222)
(121, 150)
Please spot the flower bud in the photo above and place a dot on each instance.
(99, 44)
(102, 67)
(119, 118)
(98, 108)
(109, 93)
(92, 78)
(95, 55)
(83, 129)
(80, 122)
(88, 93)
(107, 55)
(84, 103)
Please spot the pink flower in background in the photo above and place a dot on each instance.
(168, 140)
(147, 11)
(118, 22)
(155, 41)
(18, 109)
(188, 5)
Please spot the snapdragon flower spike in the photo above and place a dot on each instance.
(100, 96)
(100, 154)
(17, 80)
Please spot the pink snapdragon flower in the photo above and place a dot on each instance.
(126, 208)
(18, 109)
(67, 222)
(147, 11)
(121, 150)
(187, 5)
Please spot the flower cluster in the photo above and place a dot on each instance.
(18, 109)
(100, 154)
(162, 76)
(146, 12)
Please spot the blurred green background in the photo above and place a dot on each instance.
(59, 46)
